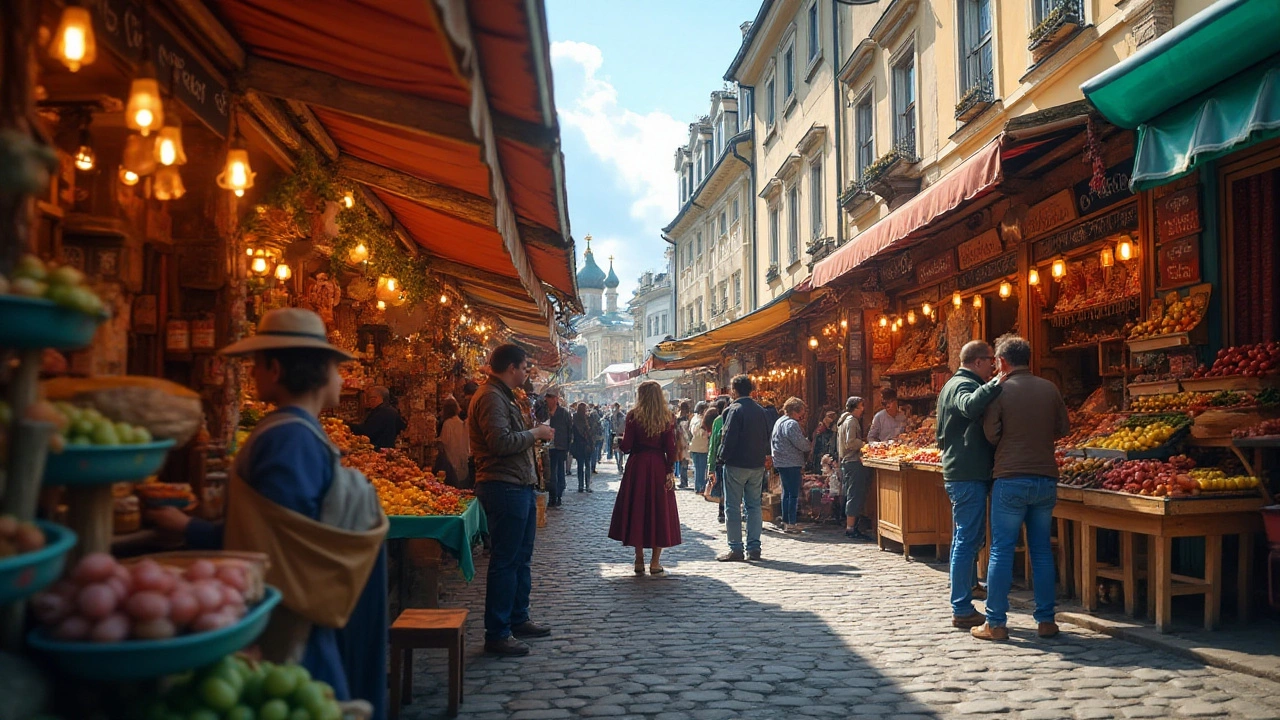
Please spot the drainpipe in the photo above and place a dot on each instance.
(839, 117)
(754, 285)
(675, 284)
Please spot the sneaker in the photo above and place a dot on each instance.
(589, 489)
(972, 620)
(530, 629)
(720, 519)
(506, 646)
(987, 632)
(1047, 629)
(753, 554)
(732, 556)
(979, 593)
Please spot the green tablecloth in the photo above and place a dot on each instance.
(454, 532)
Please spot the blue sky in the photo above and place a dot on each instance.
(629, 77)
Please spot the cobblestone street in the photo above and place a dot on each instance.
(821, 627)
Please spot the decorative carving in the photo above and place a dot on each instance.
(1149, 20)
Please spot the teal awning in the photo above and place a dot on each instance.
(1216, 43)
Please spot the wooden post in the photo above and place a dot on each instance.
(1212, 576)
(1088, 567)
(1244, 573)
(1162, 581)
(1130, 570)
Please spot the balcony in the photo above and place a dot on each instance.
(818, 249)
(976, 99)
(1062, 20)
(888, 176)
(854, 196)
(773, 274)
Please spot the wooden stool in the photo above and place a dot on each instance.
(426, 628)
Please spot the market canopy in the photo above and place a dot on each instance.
(443, 110)
(705, 348)
(1207, 88)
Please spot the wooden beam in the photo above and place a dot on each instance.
(402, 110)
(265, 110)
(311, 126)
(468, 274)
(205, 25)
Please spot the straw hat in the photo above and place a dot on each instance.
(287, 328)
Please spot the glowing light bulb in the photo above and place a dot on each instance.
(73, 42)
(259, 265)
(144, 112)
(956, 299)
(1058, 269)
(382, 305)
(1106, 258)
(884, 321)
(927, 309)
(813, 343)
(127, 176)
(444, 299)
(283, 272)
(977, 302)
(85, 158)
(1006, 290)
(169, 150)
(844, 324)
(1125, 250)
(348, 199)
(1033, 277)
(911, 317)
(236, 174)
(358, 254)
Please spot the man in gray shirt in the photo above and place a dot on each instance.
(889, 422)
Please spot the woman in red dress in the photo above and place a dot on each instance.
(644, 515)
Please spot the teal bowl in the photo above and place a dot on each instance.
(141, 659)
(33, 323)
(29, 573)
(103, 464)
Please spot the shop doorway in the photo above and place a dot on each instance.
(1253, 229)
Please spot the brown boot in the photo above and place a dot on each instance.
(732, 556)
(986, 632)
(971, 620)
(1047, 629)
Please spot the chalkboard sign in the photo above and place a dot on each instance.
(1003, 266)
(1115, 188)
(1179, 262)
(1178, 215)
(1121, 220)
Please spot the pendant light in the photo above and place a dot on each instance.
(927, 309)
(382, 305)
(73, 42)
(1125, 250)
(977, 301)
(388, 289)
(1006, 290)
(127, 176)
(85, 158)
(348, 200)
(1058, 269)
(884, 320)
(844, 323)
(813, 343)
(911, 317)
(167, 184)
(169, 150)
(139, 155)
(1106, 258)
(956, 299)
(1033, 277)
(444, 299)
(259, 265)
(236, 175)
(358, 254)
(283, 272)
(144, 111)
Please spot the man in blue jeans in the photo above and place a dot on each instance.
(1022, 423)
(967, 460)
(502, 444)
(743, 448)
(559, 419)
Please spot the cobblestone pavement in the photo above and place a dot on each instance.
(821, 627)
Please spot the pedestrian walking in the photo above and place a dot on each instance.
(889, 422)
(683, 438)
(967, 459)
(700, 444)
(1022, 422)
(454, 442)
(597, 440)
(644, 513)
(580, 444)
(789, 448)
(742, 452)
(617, 420)
(824, 441)
(559, 418)
(715, 477)
(506, 474)
(855, 478)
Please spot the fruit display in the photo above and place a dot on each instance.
(1136, 439)
(1180, 315)
(1153, 477)
(403, 487)
(101, 600)
(1247, 360)
(63, 285)
(166, 409)
(1083, 472)
(887, 450)
(88, 426)
(1169, 402)
(237, 689)
(1266, 428)
(17, 537)
(1085, 426)
(927, 456)
(160, 494)
(1215, 480)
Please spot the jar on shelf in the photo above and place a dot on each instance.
(177, 336)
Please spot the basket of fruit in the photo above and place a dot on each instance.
(47, 307)
(31, 556)
(238, 689)
(106, 621)
(161, 494)
(1143, 437)
(100, 464)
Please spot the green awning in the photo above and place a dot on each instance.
(1236, 114)
(1216, 43)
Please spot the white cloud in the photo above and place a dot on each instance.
(639, 147)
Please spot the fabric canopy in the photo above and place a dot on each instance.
(1242, 111)
(704, 349)
(973, 178)
(1214, 44)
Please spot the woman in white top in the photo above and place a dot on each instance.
(453, 436)
(699, 443)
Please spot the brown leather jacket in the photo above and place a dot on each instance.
(501, 440)
(1023, 422)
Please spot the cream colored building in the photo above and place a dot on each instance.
(787, 62)
(711, 237)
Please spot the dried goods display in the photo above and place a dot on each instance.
(887, 450)
(238, 689)
(918, 351)
(1247, 360)
(927, 456)
(1087, 286)
(1266, 428)
(915, 389)
(1215, 480)
(17, 537)
(403, 487)
(63, 285)
(1153, 477)
(1086, 333)
(1179, 315)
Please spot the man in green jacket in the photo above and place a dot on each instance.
(967, 461)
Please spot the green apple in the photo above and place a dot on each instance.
(30, 266)
(66, 275)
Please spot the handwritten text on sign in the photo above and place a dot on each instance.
(1125, 218)
(896, 268)
(1000, 267)
(1049, 214)
(1178, 215)
(984, 247)
(1179, 262)
(938, 266)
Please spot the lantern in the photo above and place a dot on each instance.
(388, 289)
(1058, 269)
(85, 157)
(283, 272)
(259, 265)
(1125, 250)
(977, 302)
(1106, 258)
(358, 254)
(168, 184)
(926, 309)
(813, 343)
(348, 200)
(236, 175)
(911, 317)
(73, 43)
(128, 177)
(896, 325)
(1006, 289)
(139, 155)
(956, 299)
(144, 111)
(169, 150)
(444, 299)
(382, 305)
(1033, 277)
(884, 321)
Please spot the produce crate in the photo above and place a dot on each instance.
(1169, 448)
(1231, 382)
(882, 464)
(1070, 493)
(1197, 505)
(1160, 387)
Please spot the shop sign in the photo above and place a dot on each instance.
(1003, 266)
(938, 266)
(1179, 262)
(126, 29)
(1178, 215)
(896, 268)
(1049, 214)
(984, 247)
(1121, 220)
(1115, 188)
(855, 348)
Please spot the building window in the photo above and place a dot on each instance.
(744, 102)
(773, 235)
(771, 102)
(864, 132)
(724, 224)
(815, 198)
(737, 289)
(664, 324)
(975, 43)
(789, 72)
(904, 103)
(736, 211)
(709, 152)
(815, 45)
(793, 224)
(698, 304)
(1044, 8)
(724, 295)
(699, 243)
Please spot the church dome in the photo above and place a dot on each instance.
(612, 281)
(590, 277)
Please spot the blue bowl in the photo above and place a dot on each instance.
(102, 464)
(141, 659)
(33, 323)
(29, 573)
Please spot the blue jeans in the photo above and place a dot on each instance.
(675, 468)
(584, 470)
(608, 447)
(557, 459)
(743, 486)
(699, 472)
(969, 520)
(790, 493)
(513, 520)
(1013, 502)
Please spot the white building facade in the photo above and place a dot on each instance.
(652, 314)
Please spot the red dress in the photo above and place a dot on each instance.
(645, 515)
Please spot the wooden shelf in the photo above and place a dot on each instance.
(1159, 387)
(1097, 311)
(1230, 382)
(1160, 342)
(918, 371)
(930, 396)
(1071, 347)
(1263, 441)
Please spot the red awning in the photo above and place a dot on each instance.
(974, 178)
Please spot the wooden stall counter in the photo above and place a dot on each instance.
(912, 505)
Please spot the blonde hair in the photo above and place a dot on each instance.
(651, 411)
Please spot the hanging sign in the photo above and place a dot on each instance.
(1115, 188)
(1178, 262)
(896, 268)
(126, 29)
(1049, 214)
(938, 266)
(1121, 220)
(1178, 215)
(984, 247)
(1003, 266)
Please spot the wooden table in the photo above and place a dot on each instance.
(1161, 520)
(912, 506)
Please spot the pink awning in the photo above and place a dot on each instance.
(974, 178)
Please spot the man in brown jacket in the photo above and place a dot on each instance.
(1022, 423)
